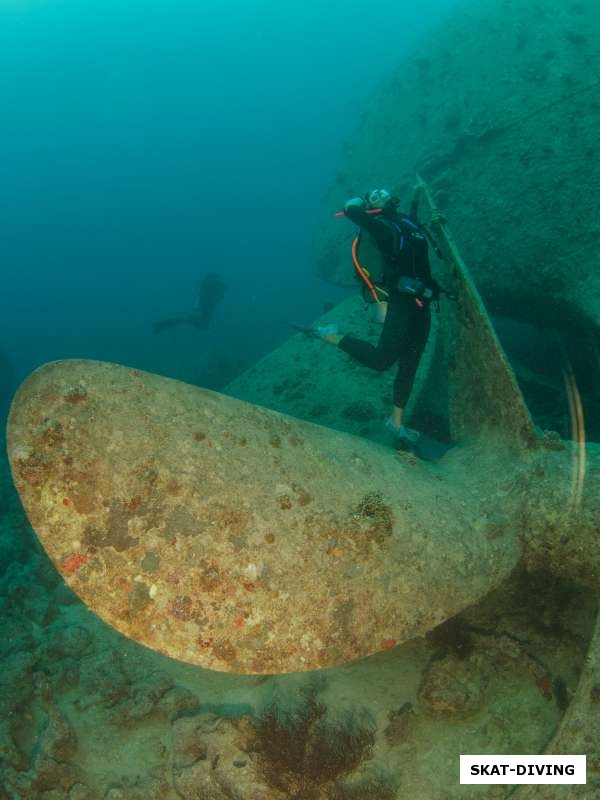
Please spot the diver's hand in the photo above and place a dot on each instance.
(354, 202)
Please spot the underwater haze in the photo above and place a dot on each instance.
(145, 145)
(349, 565)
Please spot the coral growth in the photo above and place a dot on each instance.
(302, 750)
(372, 508)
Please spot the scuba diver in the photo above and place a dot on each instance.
(403, 293)
(210, 293)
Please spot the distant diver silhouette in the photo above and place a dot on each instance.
(210, 293)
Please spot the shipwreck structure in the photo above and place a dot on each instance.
(266, 538)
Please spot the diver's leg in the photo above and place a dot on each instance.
(382, 355)
(334, 338)
(396, 417)
(412, 346)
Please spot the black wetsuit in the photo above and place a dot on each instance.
(407, 322)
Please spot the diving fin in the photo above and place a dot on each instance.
(310, 332)
(426, 448)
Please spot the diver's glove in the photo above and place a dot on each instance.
(400, 432)
(356, 202)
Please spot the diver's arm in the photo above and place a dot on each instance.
(356, 212)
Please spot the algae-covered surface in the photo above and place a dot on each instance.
(237, 538)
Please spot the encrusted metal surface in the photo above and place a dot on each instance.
(484, 397)
(237, 538)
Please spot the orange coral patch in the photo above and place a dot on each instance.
(544, 684)
(73, 562)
